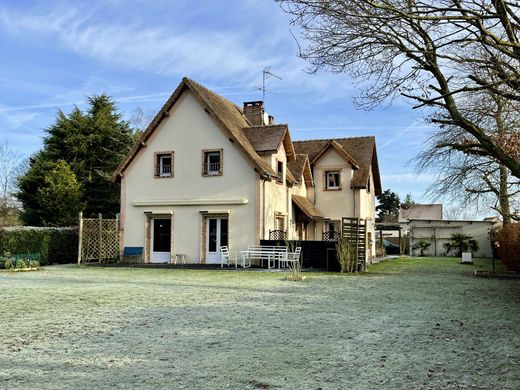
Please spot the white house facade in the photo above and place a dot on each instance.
(207, 173)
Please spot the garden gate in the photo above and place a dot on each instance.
(98, 239)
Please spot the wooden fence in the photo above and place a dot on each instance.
(98, 239)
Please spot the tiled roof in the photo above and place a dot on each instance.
(306, 206)
(361, 149)
(300, 167)
(267, 139)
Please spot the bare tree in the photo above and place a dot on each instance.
(12, 165)
(421, 49)
(475, 180)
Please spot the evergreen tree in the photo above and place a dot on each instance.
(60, 197)
(92, 143)
(388, 208)
(408, 201)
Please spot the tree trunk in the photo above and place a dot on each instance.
(503, 196)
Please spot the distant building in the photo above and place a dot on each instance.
(420, 212)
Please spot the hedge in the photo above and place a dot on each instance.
(55, 245)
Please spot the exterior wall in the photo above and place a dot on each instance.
(277, 197)
(187, 131)
(442, 231)
(367, 210)
(421, 211)
(338, 203)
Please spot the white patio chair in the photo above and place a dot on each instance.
(225, 257)
(292, 257)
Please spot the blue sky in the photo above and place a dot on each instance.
(55, 53)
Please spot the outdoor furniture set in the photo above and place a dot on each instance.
(271, 254)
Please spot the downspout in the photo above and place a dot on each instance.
(264, 209)
(289, 213)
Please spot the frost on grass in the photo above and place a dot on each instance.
(406, 324)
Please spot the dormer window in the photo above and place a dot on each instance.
(163, 165)
(212, 164)
(279, 167)
(332, 180)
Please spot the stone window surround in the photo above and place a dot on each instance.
(156, 157)
(330, 170)
(204, 152)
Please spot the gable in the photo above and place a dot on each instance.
(361, 149)
(225, 114)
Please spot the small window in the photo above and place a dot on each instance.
(212, 162)
(332, 226)
(163, 164)
(280, 171)
(332, 180)
(368, 185)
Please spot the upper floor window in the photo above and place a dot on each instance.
(279, 170)
(212, 164)
(163, 164)
(368, 185)
(333, 180)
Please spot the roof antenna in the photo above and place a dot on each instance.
(265, 74)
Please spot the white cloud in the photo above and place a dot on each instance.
(163, 49)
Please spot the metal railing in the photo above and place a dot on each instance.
(163, 170)
(277, 235)
(330, 235)
(212, 168)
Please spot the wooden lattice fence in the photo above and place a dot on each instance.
(98, 239)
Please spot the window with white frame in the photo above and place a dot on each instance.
(163, 164)
(332, 180)
(212, 162)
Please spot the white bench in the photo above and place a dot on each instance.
(292, 258)
(269, 253)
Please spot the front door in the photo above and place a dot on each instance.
(161, 240)
(216, 236)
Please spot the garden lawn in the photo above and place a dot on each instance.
(408, 323)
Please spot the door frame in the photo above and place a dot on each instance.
(150, 216)
(205, 216)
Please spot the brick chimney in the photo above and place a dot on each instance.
(254, 112)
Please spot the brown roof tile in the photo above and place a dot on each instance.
(306, 206)
(300, 167)
(361, 149)
(267, 139)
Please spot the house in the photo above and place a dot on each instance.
(206, 173)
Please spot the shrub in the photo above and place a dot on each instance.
(380, 249)
(9, 264)
(347, 255)
(509, 246)
(34, 264)
(55, 245)
(21, 264)
(461, 242)
(422, 245)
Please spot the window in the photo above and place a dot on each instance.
(279, 167)
(163, 164)
(212, 162)
(279, 222)
(332, 180)
(332, 226)
(368, 184)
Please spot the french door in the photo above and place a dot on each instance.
(216, 236)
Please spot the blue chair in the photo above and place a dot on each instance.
(132, 252)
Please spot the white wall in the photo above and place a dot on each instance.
(187, 131)
(443, 229)
(334, 204)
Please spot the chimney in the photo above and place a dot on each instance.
(271, 120)
(254, 111)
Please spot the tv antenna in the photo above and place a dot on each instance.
(265, 74)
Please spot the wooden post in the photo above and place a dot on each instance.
(100, 243)
(80, 236)
(400, 245)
